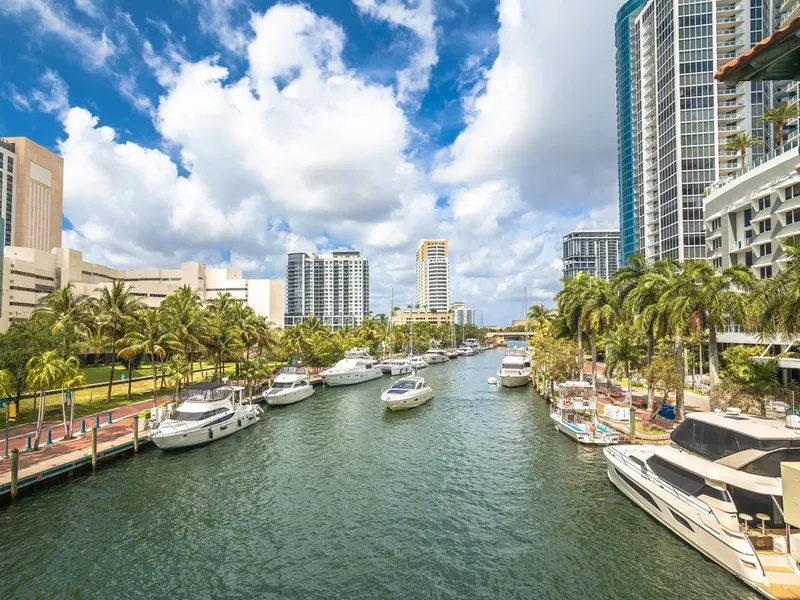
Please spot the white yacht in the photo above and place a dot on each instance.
(357, 366)
(396, 366)
(452, 353)
(208, 411)
(465, 350)
(291, 385)
(575, 413)
(407, 392)
(436, 355)
(473, 343)
(418, 362)
(515, 370)
(719, 487)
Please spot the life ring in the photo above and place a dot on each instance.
(568, 402)
(592, 428)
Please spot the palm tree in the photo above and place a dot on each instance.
(570, 302)
(785, 111)
(623, 350)
(114, 309)
(67, 312)
(225, 343)
(741, 142)
(74, 378)
(177, 370)
(776, 306)
(45, 371)
(540, 317)
(598, 311)
(188, 321)
(758, 384)
(148, 334)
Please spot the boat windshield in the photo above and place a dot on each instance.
(714, 442)
(281, 385)
(182, 415)
(404, 385)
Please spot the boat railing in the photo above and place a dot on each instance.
(668, 487)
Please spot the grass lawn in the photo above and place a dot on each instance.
(89, 401)
(100, 374)
(653, 430)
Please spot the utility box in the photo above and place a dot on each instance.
(790, 474)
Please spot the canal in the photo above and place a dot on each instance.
(474, 495)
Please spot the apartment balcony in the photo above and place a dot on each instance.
(728, 117)
(726, 92)
(729, 9)
(728, 153)
(726, 34)
(725, 57)
(729, 105)
(740, 247)
(731, 19)
(724, 128)
(727, 45)
(710, 235)
(790, 10)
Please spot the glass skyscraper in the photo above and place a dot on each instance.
(625, 130)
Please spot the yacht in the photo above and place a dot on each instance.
(396, 366)
(452, 353)
(464, 350)
(575, 413)
(436, 355)
(515, 370)
(418, 362)
(473, 343)
(291, 385)
(719, 487)
(407, 392)
(357, 366)
(207, 412)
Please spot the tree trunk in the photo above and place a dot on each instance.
(71, 412)
(39, 422)
(650, 348)
(580, 347)
(593, 338)
(679, 367)
(713, 356)
(113, 364)
(780, 135)
(155, 379)
(130, 379)
(64, 412)
(744, 155)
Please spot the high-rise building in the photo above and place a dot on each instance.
(8, 159)
(34, 212)
(681, 118)
(626, 129)
(592, 252)
(461, 314)
(332, 287)
(433, 276)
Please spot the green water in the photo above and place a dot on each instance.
(474, 495)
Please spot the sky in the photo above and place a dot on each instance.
(234, 131)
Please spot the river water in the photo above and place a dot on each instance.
(474, 495)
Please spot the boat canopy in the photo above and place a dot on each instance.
(208, 392)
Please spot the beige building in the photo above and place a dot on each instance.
(433, 275)
(30, 274)
(33, 217)
(402, 318)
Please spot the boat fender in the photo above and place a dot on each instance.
(240, 422)
(592, 428)
(568, 402)
(211, 434)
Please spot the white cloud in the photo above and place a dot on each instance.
(51, 96)
(218, 18)
(418, 17)
(88, 8)
(94, 50)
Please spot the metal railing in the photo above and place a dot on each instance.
(749, 167)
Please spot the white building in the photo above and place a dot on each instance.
(682, 119)
(592, 252)
(8, 159)
(433, 276)
(461, 314)
(30, 274)
(332, 287)
(747, 216)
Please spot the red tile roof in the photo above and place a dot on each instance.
(745, 59)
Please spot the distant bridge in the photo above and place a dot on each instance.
(498, 336)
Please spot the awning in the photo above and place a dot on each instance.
(774, 58)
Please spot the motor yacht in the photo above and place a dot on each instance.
(207, 412)
(721, 487)
(291, 385)
(357, 366)
(473, 343)
(406, 392)
(452, 353)
(515, 370)
(464, 350)
(575, 414)
(396, 366)
(418, 362)
(436, 355)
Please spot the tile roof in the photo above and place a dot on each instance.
(729, 71)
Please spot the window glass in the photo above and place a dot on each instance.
(770, 465)
(681, 479)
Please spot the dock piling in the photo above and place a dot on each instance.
(28, 446)
(14, 471)
(97, 421)
(109, 417)
(83, 426)
(136, 434)
(49, 437)
(94, 448)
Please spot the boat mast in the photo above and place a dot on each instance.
(387, 337)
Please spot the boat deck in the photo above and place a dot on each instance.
(782, 592)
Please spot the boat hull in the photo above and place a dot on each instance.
(352, 377)
(408, 402)
(601, 437)
(434, 359)
(516, 380)
(205, 435)
(291, 396)
(730, 550)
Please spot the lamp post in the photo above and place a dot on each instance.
(7, 403)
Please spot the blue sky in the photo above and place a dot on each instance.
(233, 131)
